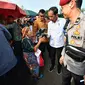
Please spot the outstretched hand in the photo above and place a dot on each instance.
(42, 39)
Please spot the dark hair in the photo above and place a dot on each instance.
(79, 3)
(10, 16)
(54, 9)
(42, 11)
(18, 20)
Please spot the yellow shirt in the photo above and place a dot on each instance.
(38, 24)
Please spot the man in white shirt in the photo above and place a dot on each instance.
(56, 37)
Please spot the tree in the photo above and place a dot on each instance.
(46, 13)
(83, 10)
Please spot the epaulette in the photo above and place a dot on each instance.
(78, 20)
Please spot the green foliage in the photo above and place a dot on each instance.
(83, 10)
(30, 13)
(46, 13)
(60, 15)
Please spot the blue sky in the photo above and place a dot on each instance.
(35, 5)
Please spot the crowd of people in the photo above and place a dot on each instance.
(22, 38)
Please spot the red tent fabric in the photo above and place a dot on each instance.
(10, 9)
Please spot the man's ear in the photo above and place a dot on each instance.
(71, 4)
(56, 14)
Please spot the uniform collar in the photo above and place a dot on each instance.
(79, 19)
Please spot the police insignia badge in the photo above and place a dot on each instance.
(72, 42)
(78, 27)
(76, 32)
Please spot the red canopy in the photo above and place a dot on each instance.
(10, 9)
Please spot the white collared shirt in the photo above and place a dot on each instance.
(55, 32)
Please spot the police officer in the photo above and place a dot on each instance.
(75, 31)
